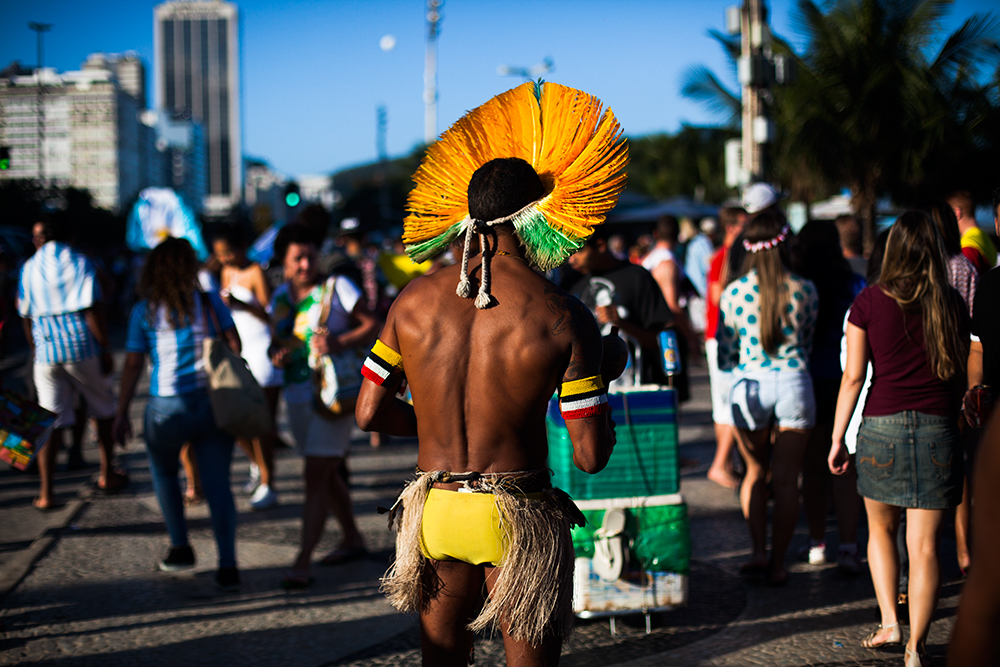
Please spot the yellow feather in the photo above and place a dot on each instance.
(577, 150)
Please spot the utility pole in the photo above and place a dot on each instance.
(40, 29)
(754, 35)
(430, 71)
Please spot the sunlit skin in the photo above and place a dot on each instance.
(326, 489)
(480, 381)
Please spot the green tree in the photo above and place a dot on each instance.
(877, 107)
(873, 102)
(665, 165)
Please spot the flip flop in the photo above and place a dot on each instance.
(339, 556)
(296, 581)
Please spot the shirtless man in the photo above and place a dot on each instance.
(481, 381)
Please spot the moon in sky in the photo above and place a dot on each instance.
(387, 43)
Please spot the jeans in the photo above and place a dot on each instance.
(910, 459)
(170, 422)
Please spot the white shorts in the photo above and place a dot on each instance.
(720, 382)
(760, 398)
(59, 384)
(315, 435)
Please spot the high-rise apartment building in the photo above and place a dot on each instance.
(77, 129)
(197, 73)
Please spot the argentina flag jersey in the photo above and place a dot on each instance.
(175, 353)
(57, 283)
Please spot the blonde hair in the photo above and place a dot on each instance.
(773, 278)
(914, 274)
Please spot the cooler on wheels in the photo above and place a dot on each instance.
(633, 556)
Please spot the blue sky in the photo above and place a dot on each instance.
(313, 72)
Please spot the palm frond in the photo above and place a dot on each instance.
(700, 84)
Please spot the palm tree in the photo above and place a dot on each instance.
(700, 84)
(874, 108)
(873, 103)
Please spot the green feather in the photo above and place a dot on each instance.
(538, 89)
(425, 250)
(546, 248)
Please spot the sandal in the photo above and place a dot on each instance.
(296, 581)
(913, 658)
(895, 636)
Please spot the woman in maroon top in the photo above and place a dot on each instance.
(915, 329)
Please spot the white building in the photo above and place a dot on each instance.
(197, 71)
(89, 131)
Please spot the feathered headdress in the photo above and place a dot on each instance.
(577, 151)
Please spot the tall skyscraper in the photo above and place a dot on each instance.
(197, 71)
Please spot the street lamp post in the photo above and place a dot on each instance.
(430, 71)
(40, 29)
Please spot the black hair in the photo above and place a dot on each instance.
(996, 201)
(501, 187)
(816, 255)
(667, 228)
(294, 233)
(55, 228)
(232, 235)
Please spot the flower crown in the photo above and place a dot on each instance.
(769, 243)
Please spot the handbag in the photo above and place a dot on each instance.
(25, 427)
(336, 378)
(238, 402)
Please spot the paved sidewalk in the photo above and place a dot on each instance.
(93, 596)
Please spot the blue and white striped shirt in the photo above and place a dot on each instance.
(175, 354)
(57, 283)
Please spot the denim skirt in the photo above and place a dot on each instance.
(910, 459)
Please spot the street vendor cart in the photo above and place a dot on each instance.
(633, 556)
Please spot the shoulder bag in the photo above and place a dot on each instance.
(336, 377)
(238, 402)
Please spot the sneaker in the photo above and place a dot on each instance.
(178, 558)
(848, 563)
(254, 480)
(263, 498)
(812, 553)
(227, 579)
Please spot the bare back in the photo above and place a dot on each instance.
(481, 379)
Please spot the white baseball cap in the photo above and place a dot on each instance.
(759, 196)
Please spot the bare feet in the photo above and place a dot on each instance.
(114, 481)
(44, 505)
(723, 478)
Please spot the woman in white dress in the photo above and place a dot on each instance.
(244, 288)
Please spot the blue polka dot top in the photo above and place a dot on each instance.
(739, 326)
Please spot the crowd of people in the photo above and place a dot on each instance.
(861, 374)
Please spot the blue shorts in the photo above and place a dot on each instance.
(911, 459)
(761, 398)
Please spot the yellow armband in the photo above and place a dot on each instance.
(583, 398)
(383, 364)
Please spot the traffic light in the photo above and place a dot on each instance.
(292, 197)
(4, 158)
